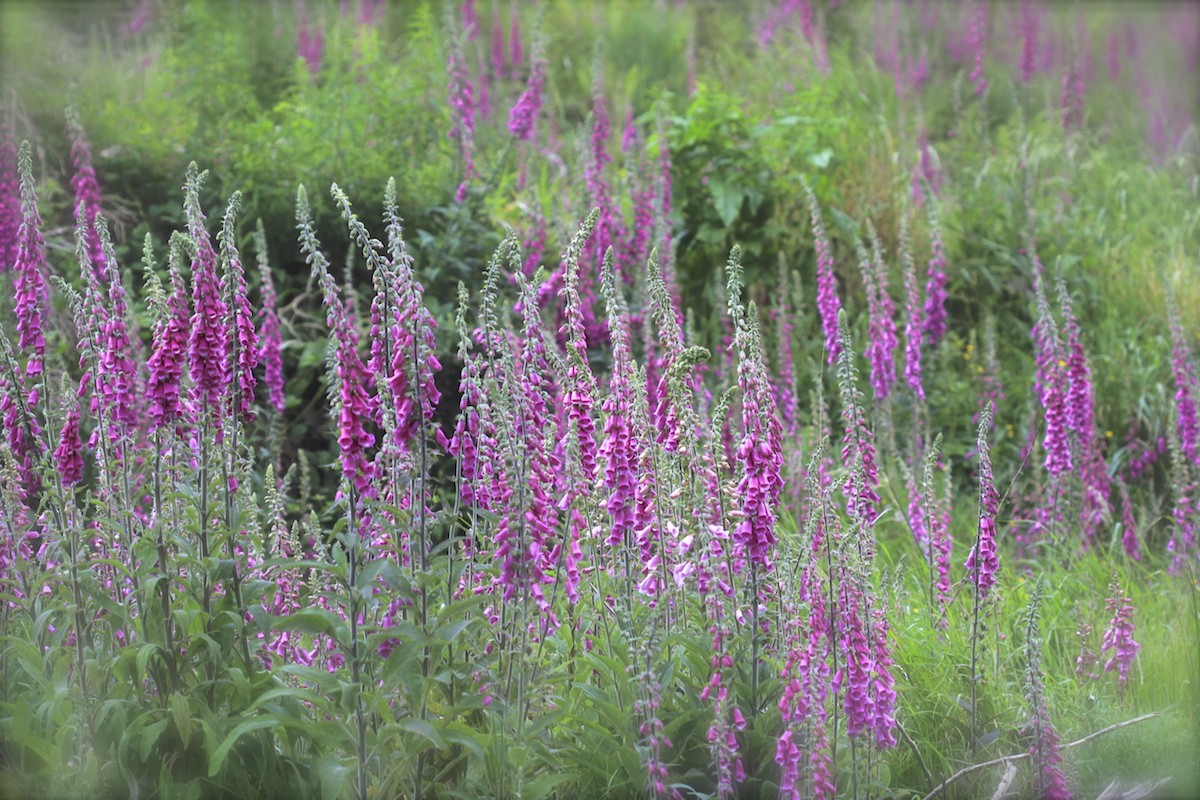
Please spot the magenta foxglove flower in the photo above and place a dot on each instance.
(349, 377)
(935, 285)
(978, 39)
(1129, 527)
(760, 451)
(983, 563)
(208, 347)
(515, 52)
(31, 294)
(497, 54)
(270, 353)
(1119, 636)
(580, 384)
(1028, 25)
(10, 201)
(68, 456)
(463, 108)
(87, 197)
(310, 43)
(169, 357)
(242, 335)
(523, 116)
(828, 303)
(1183, 370)
(914, 317)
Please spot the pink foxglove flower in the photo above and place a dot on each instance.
(497, 54)
(515, 52)
(208, 347)
(1119, 636)
(31, 294)
(828, 303)
(858, 448)
(169, 354)
(580, 384)
(242, 337)
(348, 376)
(87, 196)
(1028, 24)
(10, 201)
(914, 316)
(68, 456)
(1184, 372)
(760, 451)
(1050, 782)
(983, 563)
(523, 116)
(935, 281)
(270, 353)
(978, 42)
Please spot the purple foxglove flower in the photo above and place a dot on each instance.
(1119, 636)
(68, 456)
(10, 201)
(828, 303)
(168, 357)
(208, 347)
(270, 353)
(30, 266)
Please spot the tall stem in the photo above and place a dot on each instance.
(360, 718)
(164, 583)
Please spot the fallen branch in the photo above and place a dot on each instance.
(1010, 774)
(1020, 756)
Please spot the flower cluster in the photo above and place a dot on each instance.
(10, 200)
(1119, 636)
(828, 303)
(983, 562)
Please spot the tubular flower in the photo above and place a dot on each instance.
(828, 303)
(10, 201)
(882, 338)
(523, 116)
(241, 331)
(1051, 386)
(913, 316)
(30, 267)
(87, 197)
(348, 376)
(270, 353)
(858, 449)
(68, 456)
(934, 323)
(208, 347)
(760, 451)
(983, 563)
(1183, 370)
(580, 383)
(618, 448)
(169, 354)
(1119, 636)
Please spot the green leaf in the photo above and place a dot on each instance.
(150, 735)
(542, 785)
(332, 775)
(217, 759)
(309, 620)
(422, 728)
(182, 716)
(450, 631)
(727, 198)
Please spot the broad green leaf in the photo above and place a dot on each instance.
(422, 728)
(217, 759)
(727, 198)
